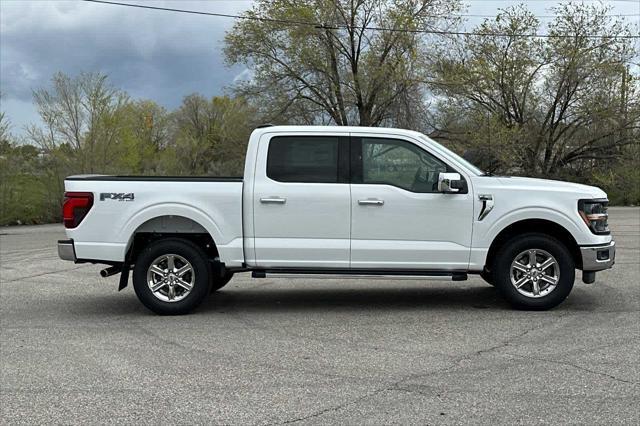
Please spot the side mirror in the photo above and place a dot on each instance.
(450, 183)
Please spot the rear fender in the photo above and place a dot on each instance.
(171, 209)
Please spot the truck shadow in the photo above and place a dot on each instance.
(353, 299)
(239, 299)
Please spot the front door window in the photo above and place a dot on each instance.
(400, 163)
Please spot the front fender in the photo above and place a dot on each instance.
(544, 213)
(485, 233)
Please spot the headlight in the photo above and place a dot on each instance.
(594, 214)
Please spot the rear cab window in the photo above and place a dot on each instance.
(306, 159)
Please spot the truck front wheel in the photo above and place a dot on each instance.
(171, 276)
(534, 271)
(488, 277)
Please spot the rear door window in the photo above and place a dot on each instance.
(312, 159)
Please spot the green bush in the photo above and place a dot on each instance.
(24, 200)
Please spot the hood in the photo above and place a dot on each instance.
(533, 184)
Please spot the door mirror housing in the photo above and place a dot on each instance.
(450, 183)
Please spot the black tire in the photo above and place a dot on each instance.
(508, 253)
(218, 282)
(201, 270)
(487, 276)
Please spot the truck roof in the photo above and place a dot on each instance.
(329, 129)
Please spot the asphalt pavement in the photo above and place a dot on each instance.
(277, 351)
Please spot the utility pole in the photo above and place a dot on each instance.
(623, 104)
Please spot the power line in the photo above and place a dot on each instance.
(472, 15)
(557, 1)
(197, 12)
(325, 26)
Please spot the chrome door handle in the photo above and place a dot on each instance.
(370, 202)
(273, 200)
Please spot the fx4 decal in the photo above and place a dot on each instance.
(119, 196)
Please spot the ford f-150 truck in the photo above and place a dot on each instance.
(338, 201)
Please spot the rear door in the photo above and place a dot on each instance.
(399, 220)
(302, 201)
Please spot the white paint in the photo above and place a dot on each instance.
(322, 225)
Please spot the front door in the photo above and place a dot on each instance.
(301, 202)
(399, 220)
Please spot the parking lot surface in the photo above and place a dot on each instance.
(308, 351)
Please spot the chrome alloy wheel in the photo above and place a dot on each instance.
(170, 278)
(535, 273)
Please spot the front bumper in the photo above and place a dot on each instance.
(598, 258)
(66, 250)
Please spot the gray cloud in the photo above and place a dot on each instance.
(151, 54)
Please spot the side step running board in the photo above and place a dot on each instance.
(358, 273)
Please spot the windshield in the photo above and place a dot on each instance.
(457, 157)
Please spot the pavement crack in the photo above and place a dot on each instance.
(43, 274)
(324, 411)
(219, 355)
(456, 363)
(395, 387)
(576, 366)
(503, 344)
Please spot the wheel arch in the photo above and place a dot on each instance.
(542, 226)
(170, 226)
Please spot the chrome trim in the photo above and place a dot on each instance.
(487, 205)
(66, 250)
(273, 200)
(445, 180)
(597, 216)
(590, 260)
(371, 202)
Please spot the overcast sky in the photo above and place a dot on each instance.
(155, 55)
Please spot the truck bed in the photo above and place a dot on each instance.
(124, 205)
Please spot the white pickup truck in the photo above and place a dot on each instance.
(338, 201)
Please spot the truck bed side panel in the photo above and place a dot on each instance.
(108, 229)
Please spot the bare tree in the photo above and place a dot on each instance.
(5, 126)
(82, 114)
(210, 136)
(342, 61)
(541, 104)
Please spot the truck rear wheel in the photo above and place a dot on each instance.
(171, 276)
(218, 282)
(534, 271)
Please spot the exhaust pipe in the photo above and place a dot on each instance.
(111, 270)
